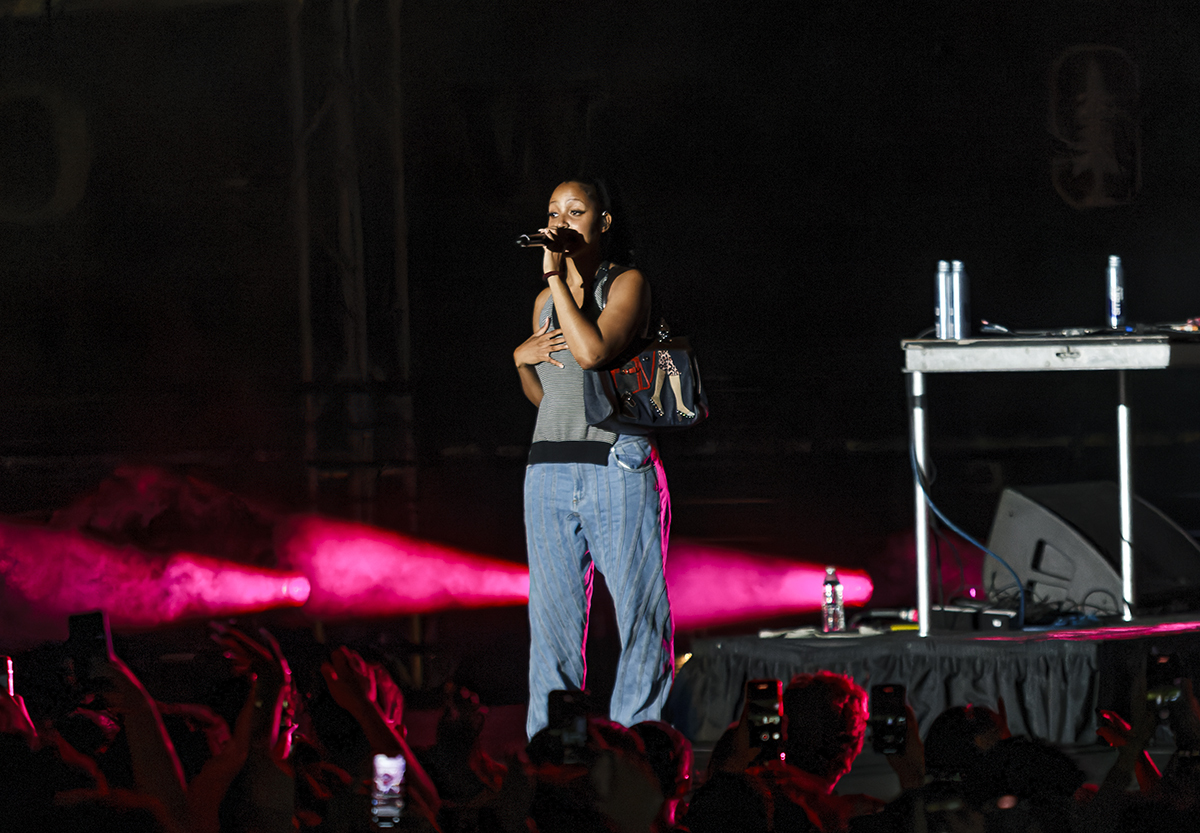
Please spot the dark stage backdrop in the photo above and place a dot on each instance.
(792, 170)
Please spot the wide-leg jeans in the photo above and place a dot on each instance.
(580, 517)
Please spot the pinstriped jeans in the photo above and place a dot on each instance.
(581, 517)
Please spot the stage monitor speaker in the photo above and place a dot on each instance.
(1064, 542)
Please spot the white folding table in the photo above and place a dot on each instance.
(1036, 354)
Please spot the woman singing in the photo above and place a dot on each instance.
(593, 499)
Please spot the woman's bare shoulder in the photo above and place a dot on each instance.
(629, 283)
(628, 273)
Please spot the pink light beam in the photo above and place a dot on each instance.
(357, 570)
(57, 572)
(712, 586)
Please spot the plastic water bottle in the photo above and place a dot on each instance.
(1116, 293)
(833, 612)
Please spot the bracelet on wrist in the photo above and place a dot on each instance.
(546, 275)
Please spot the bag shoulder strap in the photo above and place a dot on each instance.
(608, 271)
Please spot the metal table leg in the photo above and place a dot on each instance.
(1126, 500)
(917, 395)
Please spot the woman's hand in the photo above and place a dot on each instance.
(561, 241)
(559, 245)
(538, 347)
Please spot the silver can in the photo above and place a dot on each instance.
(942, 311)
(960, 301)
(952, 314)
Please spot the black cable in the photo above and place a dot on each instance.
(920, 481)
(1116, 602)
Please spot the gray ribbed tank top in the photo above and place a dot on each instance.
(562, 435)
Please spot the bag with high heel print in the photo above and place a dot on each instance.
(658, 389)
(654, 386)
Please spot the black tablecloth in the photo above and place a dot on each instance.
(1051, 685)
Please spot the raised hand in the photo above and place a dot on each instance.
(156, 769)
(561, 240)
(360, 688)
(15, 720)
(274, 695)
(349, 680)
(909, 765)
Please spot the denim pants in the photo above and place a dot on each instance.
(580, 517)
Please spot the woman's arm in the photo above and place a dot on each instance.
(537, 349)
(596, 343)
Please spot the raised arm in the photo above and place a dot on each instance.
(577, 220)
(596, 343)
(262, 736)
(354, 687)
(156, 768)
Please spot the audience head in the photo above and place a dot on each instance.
(826, 721)
(729, 804)
(1020, 768)
(607, 782)
(957, 737)
(119, 811)
(669, 754)
(461, 721)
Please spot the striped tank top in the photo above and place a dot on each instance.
(562, 435)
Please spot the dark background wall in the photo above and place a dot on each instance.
(793, 171)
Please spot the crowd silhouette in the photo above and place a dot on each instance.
(282, 744)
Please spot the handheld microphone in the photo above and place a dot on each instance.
(526, 241)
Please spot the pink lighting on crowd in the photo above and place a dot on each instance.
(57, 572)
(712, 586)
(357, 570)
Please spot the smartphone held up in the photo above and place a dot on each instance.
(567, 714)
(889, 719)
(89, 644)
(387, 790)
(764, 714)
